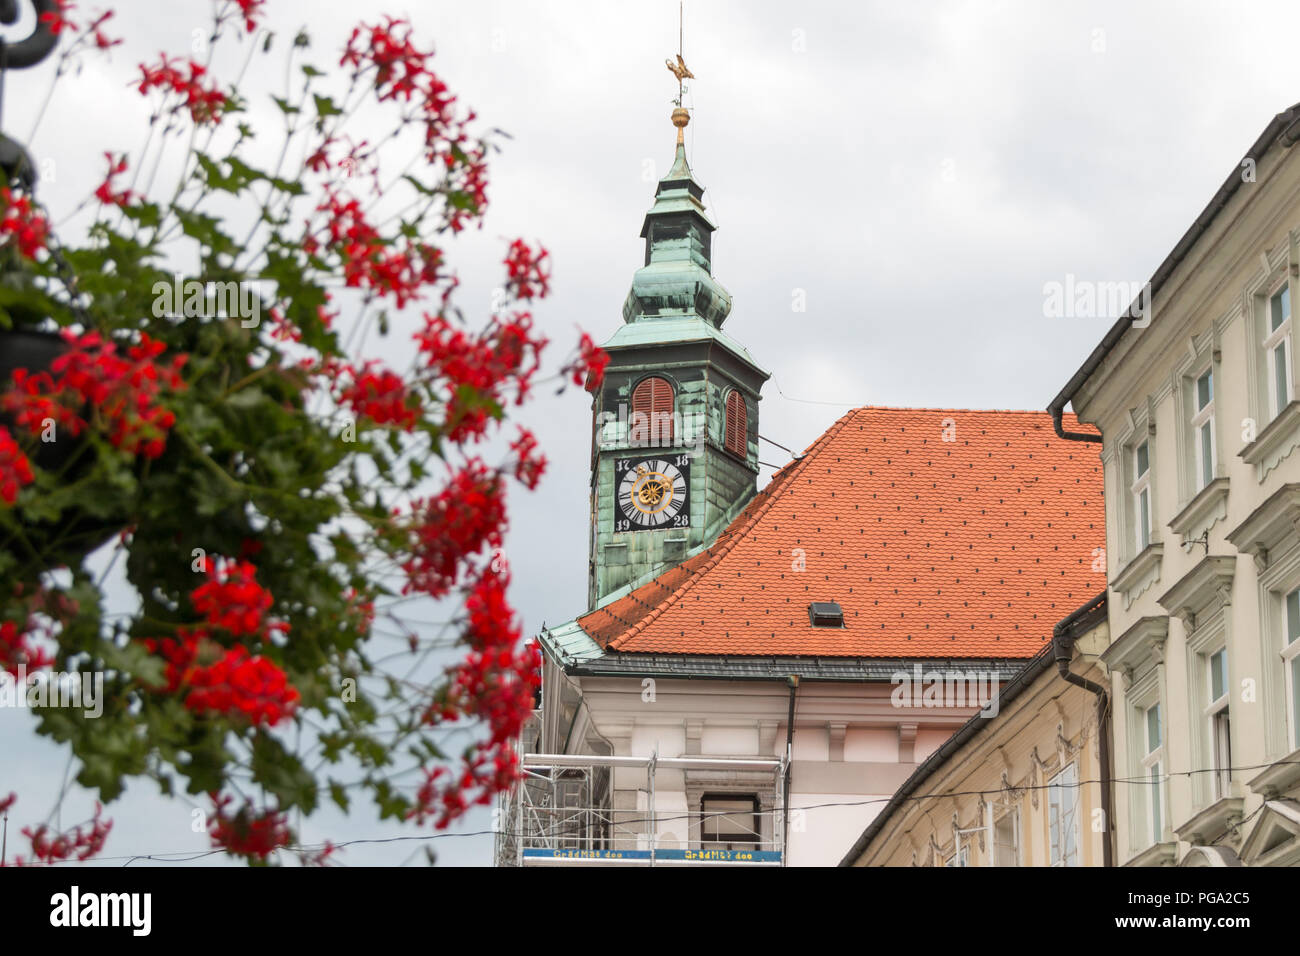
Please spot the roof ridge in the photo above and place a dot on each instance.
(732, 537)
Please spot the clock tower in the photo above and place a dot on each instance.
(675, 423)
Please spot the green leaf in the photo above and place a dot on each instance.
(339, 795)
(325, 106)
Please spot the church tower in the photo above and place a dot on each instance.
(675, 423)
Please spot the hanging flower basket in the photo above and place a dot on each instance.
(68, 537)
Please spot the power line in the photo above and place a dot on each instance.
(162, 856)
(777, 444)
(809, 401)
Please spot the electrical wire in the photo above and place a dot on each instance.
(161, 856)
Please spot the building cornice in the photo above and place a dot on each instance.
(1279, 438)
(1209, 580)
(1202, 513)
(1142, 642)
(1269, 525)
(1140, 573)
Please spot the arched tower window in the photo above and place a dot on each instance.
(736, 437)
(652, 411)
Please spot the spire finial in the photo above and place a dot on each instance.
(679, 69)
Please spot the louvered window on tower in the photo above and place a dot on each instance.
(736, 438)
(652, 413)
(825, 614)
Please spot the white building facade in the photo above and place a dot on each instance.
(1197, 398)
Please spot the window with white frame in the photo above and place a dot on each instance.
(1291, 665)
(1141, 491)
(729, 821)
(1062, 816)
(1153, 768)
(1277, 350)
(1218, 722)
(1203, 438)
(1006, 839)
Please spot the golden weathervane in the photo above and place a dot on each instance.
(680, 70)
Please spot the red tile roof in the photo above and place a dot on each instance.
(971, 547)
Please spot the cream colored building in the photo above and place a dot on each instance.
(1026, 787)
(1195, 392)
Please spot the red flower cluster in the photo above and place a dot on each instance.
(235, 681)
(381, 397)
(588, 369)
(466, 516)
(122, 392)
(249, 832)
(399, 67)
(250, 10)
(467, 182)
(20, 222)
(80, 843)
(58, 21)
(225, 680)
(365, 255)
(105, 192)
(232, 600)
(206, 104)
(528, 464)
(497, 681)
(528, 273)
(17, 652)
(402, 73)
(15, 469)
(58, 17)
(476, 370)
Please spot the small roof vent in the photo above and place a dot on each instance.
(825, 614)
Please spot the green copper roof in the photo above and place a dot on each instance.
(571, 643)
(677, 279)
(680, 329)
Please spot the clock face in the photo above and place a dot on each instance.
(652, 493)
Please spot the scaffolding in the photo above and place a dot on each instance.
(632, 811)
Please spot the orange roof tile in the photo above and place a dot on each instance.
(971, 547)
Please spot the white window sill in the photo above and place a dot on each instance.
(1139, 574)
(1278, 439)
(1211, 824)
(1158, 854)
(1201, 514)
(1279, 779)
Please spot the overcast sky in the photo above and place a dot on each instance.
(918, 170)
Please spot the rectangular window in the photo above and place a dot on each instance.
(1291, 662)
(729, 822)
(1203, 428)
(1141, 489)
(1006, 839)
(1277, 350)
(1153, 767)
(1062, 817)
(1220, 727)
